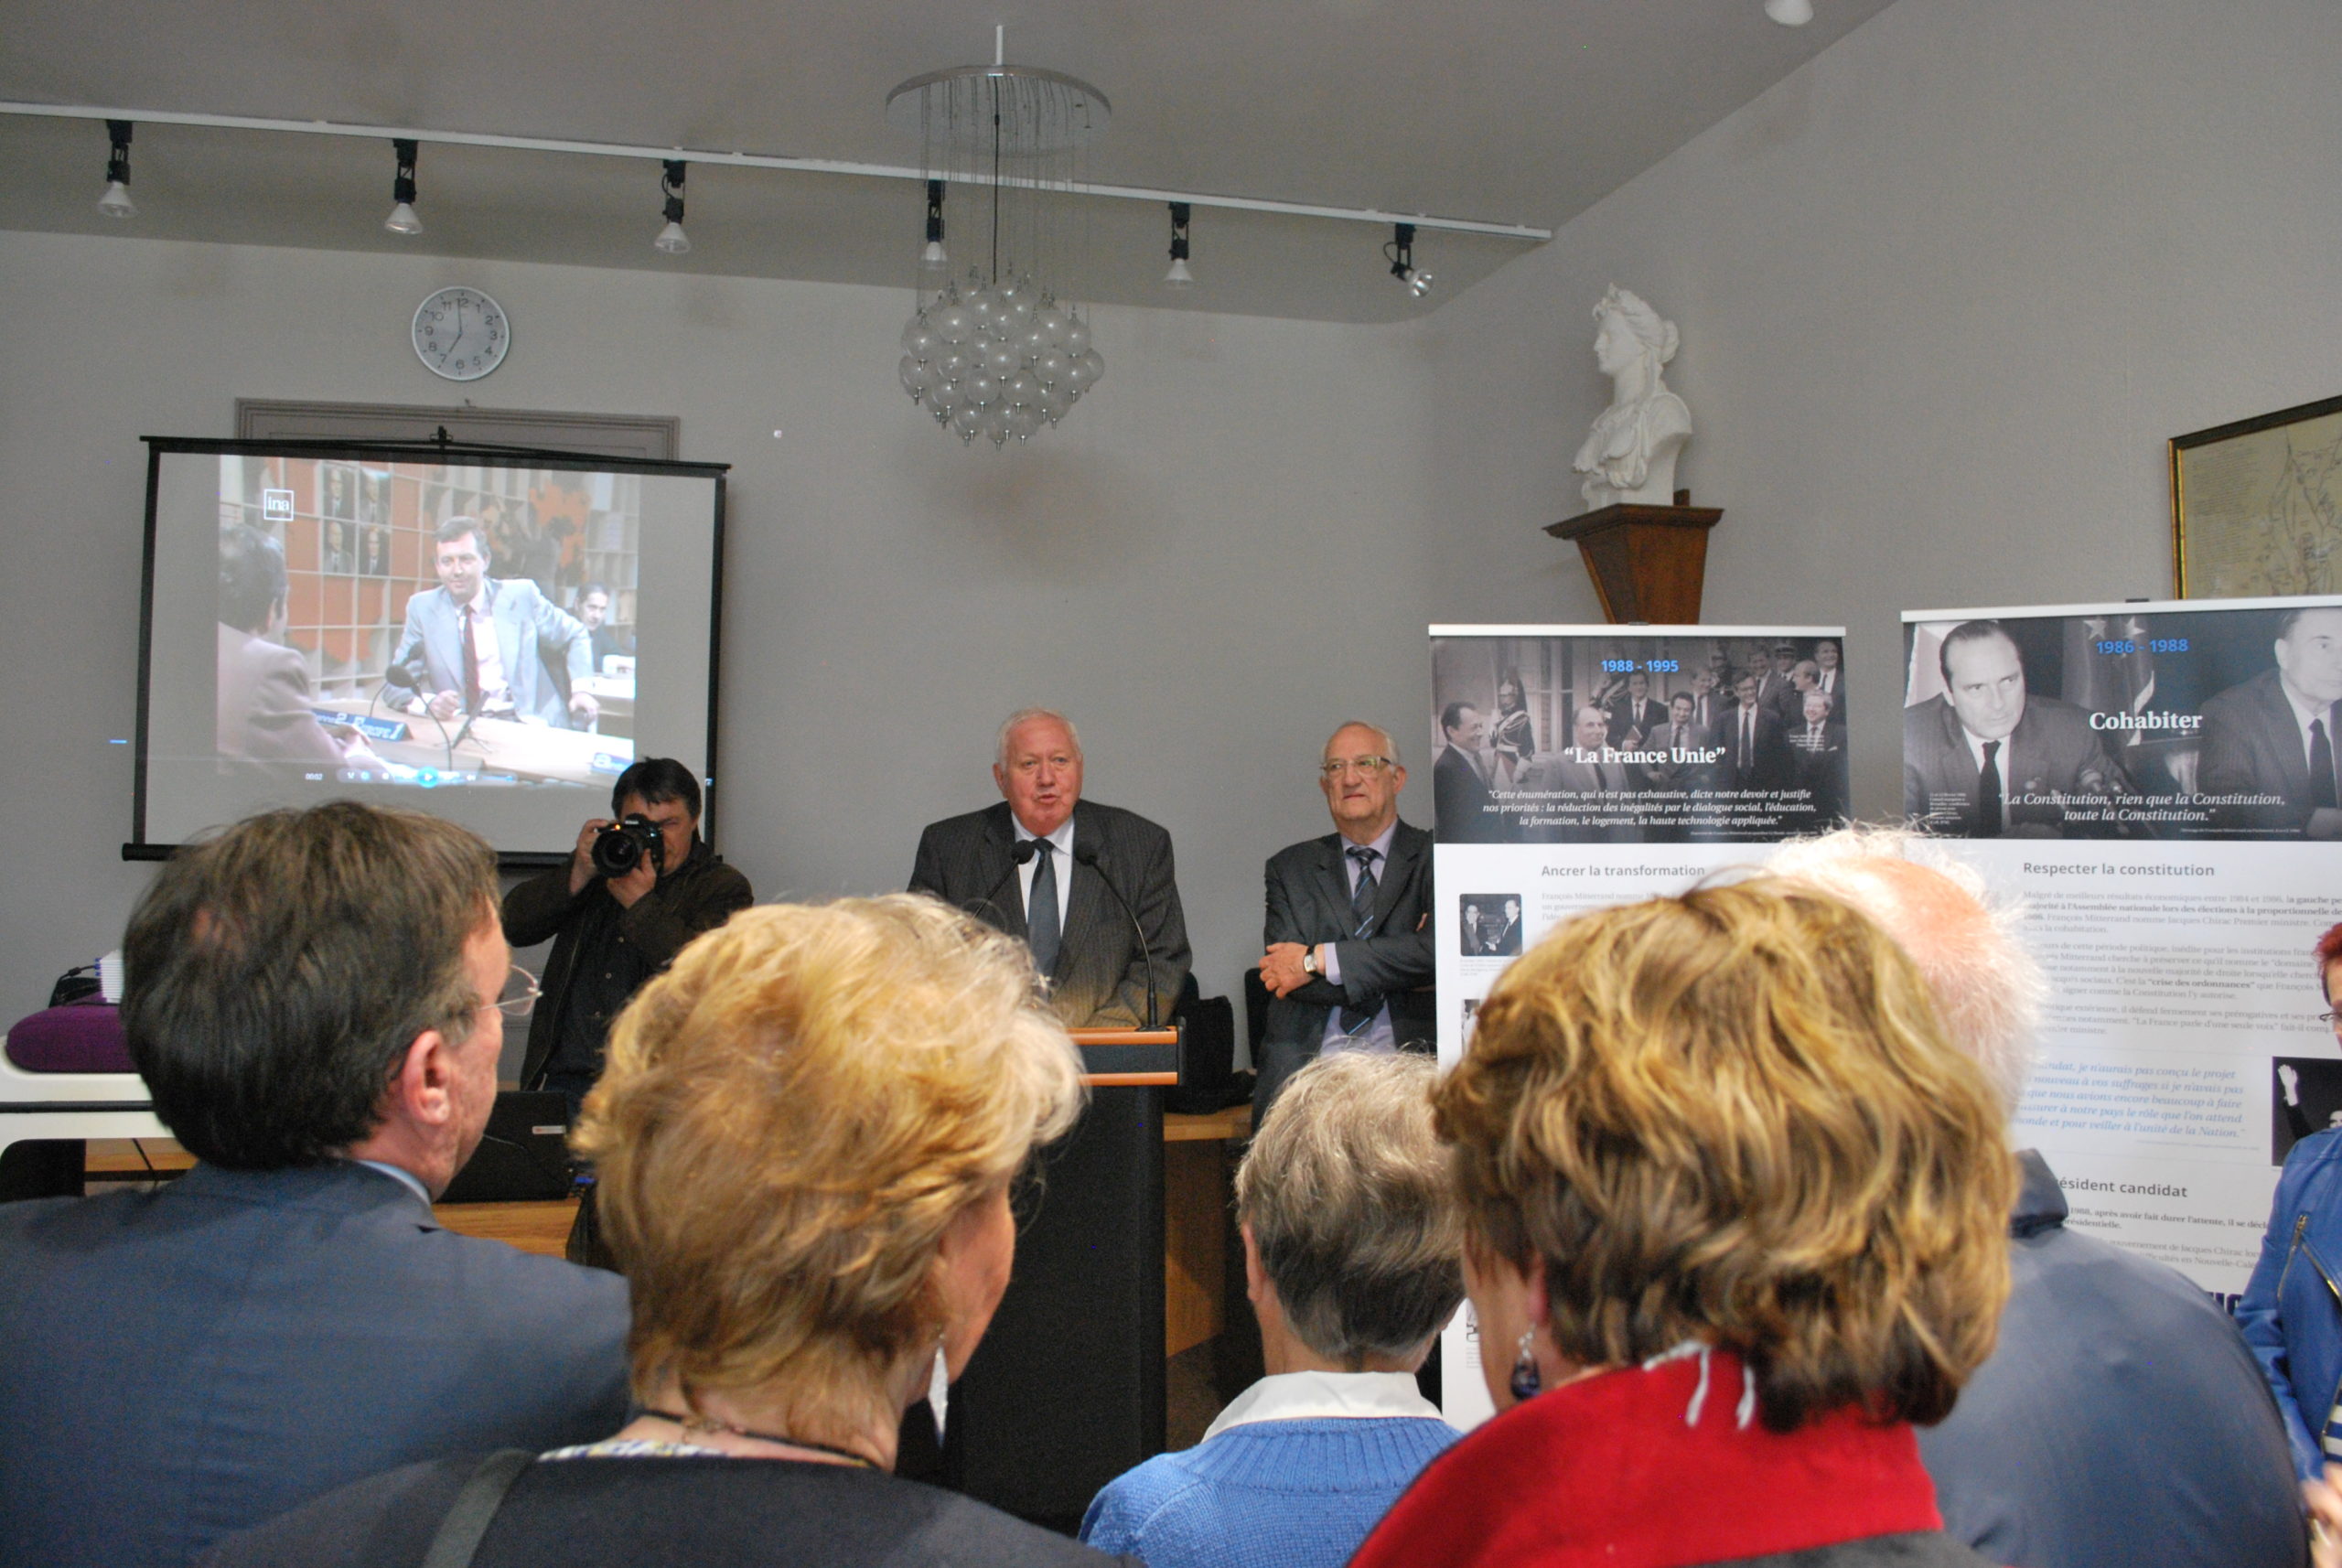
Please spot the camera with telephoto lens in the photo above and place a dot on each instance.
(621, 846)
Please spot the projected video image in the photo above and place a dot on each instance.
(427, 623)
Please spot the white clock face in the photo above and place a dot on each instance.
(461, 334)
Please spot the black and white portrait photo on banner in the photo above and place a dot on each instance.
(2151, 789)
(1574, 766)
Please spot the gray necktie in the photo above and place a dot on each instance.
(1042, 909)
(1362, 922)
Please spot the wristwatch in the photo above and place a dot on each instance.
(1309, 960)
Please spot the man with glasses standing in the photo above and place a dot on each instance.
(288, 1317)
(1348, 961)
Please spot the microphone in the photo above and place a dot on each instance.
(1087, 855)
(1025, 851)
(403, 674)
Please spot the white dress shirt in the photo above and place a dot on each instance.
(1326, 1396)
(1063, 841)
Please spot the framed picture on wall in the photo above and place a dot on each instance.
(2256, 506)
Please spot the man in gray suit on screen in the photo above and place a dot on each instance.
(491, 645)
(316, 1001)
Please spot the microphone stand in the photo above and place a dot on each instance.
(1025, 851)
(1087, 855)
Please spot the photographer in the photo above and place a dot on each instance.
(614, 930)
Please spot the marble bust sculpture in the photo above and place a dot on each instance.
(1629, 456)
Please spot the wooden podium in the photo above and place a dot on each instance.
(1066, 1393)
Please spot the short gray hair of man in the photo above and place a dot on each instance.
(1025, 716)
(1987, 988)
(1352, 1208)
(1382, 737)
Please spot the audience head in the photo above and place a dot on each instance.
(1348, 1214)
(1731, 1118)
(805, 1134)
(2329, 953)
(1987, 989)
(312, 984)
(1039, 768)
(251, 578)
(662, 791)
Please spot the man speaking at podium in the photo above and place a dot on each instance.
(1062, 896)
(1067, 1390)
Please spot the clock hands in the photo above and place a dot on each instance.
(459, 336)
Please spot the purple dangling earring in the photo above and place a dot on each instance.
(1526, 1381)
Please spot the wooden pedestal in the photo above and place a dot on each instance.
(1646, 562)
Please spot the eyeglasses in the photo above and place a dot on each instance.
(1370, 766)
(520, 994)
(2332, 1020)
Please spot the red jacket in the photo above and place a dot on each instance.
(1658, 1468)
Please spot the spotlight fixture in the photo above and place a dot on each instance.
(934, 257)
(1789, 13)
(1179, 277)
(1401, 254)
(671, 238)
(402, 220)
(116, 203)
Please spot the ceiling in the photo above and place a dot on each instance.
(1514, 112)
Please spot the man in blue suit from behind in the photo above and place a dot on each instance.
(287, 1317)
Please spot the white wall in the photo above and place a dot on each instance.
(1217, 556)
(1944, 293)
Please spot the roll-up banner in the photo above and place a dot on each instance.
(1580, 766)
(2156, 782)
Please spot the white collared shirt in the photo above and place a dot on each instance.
(495, 692)
(1326, 1396)
(1063, 841)
(1379, 1035)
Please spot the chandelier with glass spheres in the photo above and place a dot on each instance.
(995, 352)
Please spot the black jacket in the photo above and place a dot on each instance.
(697, 896)
(644, 1513)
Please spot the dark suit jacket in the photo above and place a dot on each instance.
(663, 1513)
(187, 1363)
(2251, 746)
(1100, 977)
(1309, 902)
(2053, 748)
(2063, 1448)
(698, 895)
(1822, 768)
(1461, 807)
(1626, 715)
(1771, 767)
(264, 712)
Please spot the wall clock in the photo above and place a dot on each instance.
(461, 334)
